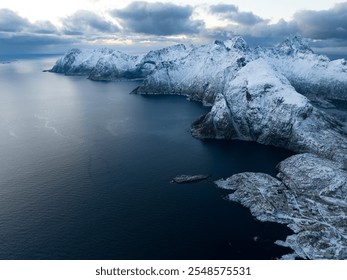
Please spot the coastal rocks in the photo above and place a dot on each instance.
(182, 179)
(309, 195)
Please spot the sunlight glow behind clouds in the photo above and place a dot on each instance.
(53, 10)
(63, 24)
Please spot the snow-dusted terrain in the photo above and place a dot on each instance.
(99, 62)
(312, 75)
(309, 195)
(264, 95)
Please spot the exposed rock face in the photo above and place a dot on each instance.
(309, 195)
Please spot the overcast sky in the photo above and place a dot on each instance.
(38, 26)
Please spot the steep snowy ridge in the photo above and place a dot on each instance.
(312, 75)
(259, 104)
(198, 71)
(79, 62)
(115, 65)
(199, 75)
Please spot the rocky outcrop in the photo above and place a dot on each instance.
(183, 179)
(309, 195)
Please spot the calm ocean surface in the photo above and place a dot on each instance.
(85, 170)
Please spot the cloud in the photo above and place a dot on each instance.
(11, 22)
(223, 8)
(231, 12)
(325, 29)
(84, 22)
(18, 35)
(44, 27)
(23, 43)
(325, 24)
(158, 18)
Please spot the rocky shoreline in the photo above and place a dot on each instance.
(308, 195)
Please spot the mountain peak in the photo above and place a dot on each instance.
(237, 42)
(294, 44)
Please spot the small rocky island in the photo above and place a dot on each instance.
(182, 179)
(274, 96)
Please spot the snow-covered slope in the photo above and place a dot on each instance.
(115, 65)
(108, 65)
(312, 75)
(259, 104)
(198, 71)
(79, 62)
(200, 74)
(254, 93)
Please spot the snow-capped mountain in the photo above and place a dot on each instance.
(312, 75)
(185, 68)
(79, 62)
(115, 65)
(256, 94)
(259, 104)
(199, 75)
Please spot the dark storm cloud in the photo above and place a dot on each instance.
(326, 29)
(44, 27)
(83, 22)
(325, 24)
(232, 13)
(23, 43)
(246, 18)
(18, 35)
(158, 18)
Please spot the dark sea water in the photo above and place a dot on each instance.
(85, 170)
